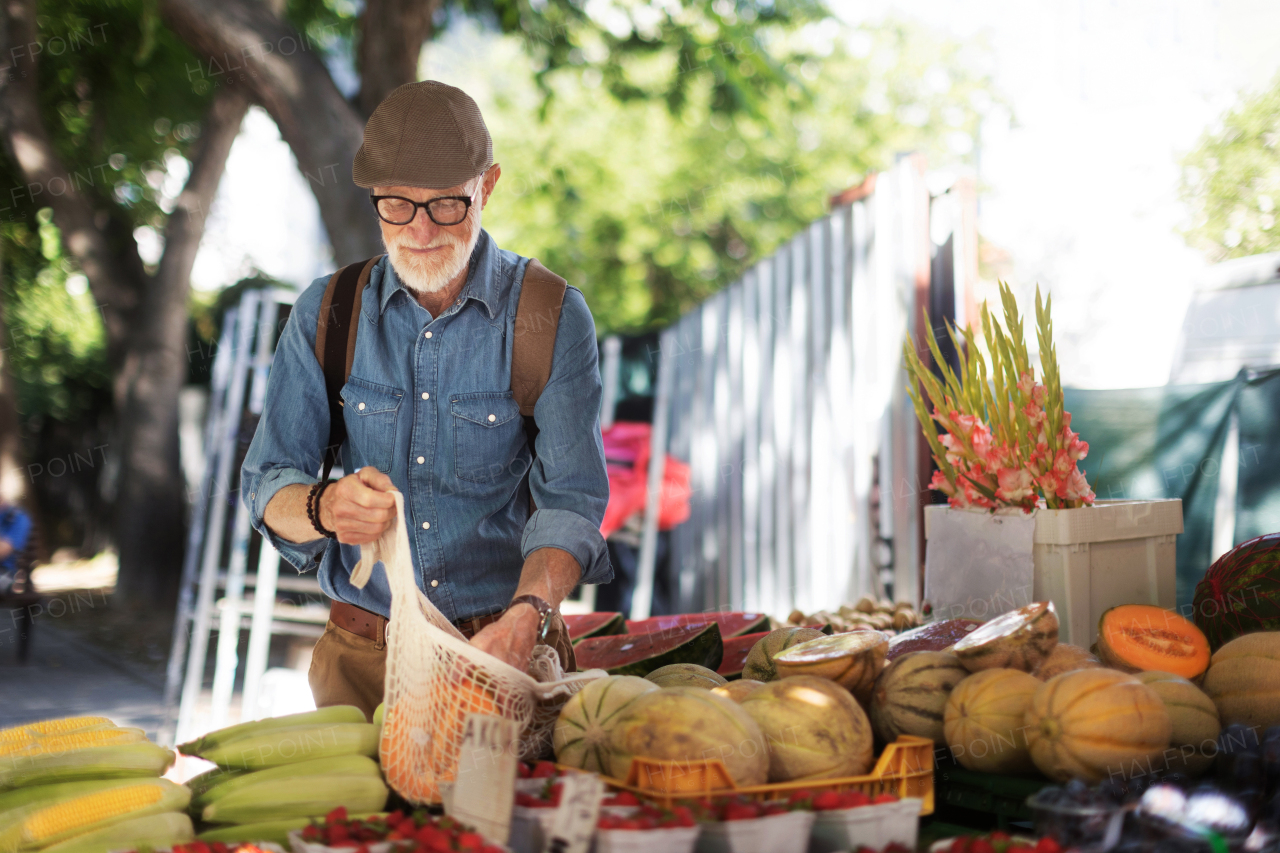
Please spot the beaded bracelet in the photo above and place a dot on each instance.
(313, 508)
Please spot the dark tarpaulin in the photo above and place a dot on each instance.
(1151, 443)
(1258, 493)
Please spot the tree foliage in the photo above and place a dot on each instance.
(1231, 180)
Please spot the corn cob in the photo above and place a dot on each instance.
(103, 762)
(158, 830)
(291, 745)
(72, 741)
(303, 772)
(211, 778)
(50, 823)
(280, 799)
(379, 713)
(16, 802)
(320, 717)
(46, 728)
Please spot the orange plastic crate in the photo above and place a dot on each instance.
(905, 768)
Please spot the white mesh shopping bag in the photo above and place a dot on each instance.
(435, 678)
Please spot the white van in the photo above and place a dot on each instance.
(1233, 321)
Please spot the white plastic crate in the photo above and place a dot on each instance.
(1090, 559)
(875, 826)
(782, 833)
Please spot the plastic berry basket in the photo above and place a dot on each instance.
(298, 845)
(673, 839)
(780, 833)
(874, 826)
(904, 769)
(530, 829)
(1086, 829)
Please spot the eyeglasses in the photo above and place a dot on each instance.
(444, 210)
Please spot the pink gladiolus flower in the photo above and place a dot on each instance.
(1015, 484)
(1063, 464)
(1039, 394)
(1077, 488)
(965, 424)
(1051, 483)
(941, 483)
(981, 440)
(1026, 382)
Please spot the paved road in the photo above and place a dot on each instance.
(65, 676)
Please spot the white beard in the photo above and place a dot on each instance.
(433, 273)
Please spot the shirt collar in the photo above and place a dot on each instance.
(481, 278)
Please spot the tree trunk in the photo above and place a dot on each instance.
(392, 33)
(289, 79)
(144, 316)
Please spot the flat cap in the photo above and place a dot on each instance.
(424, 134)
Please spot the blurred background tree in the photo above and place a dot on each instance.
(1231, 180)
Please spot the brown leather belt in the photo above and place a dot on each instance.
(372, 626)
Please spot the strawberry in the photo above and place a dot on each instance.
(1048, 845)
(740, 811)
(981, 845)
(854, 799)
(772, 809)
(884, 798)
(960, 844)
(826, 801)
(338, 814)
(543, 770)
(800, 796)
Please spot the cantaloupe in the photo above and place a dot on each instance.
(813, 729)
(686, 675)
(910, 696)
(1095, 724)
(1065, 658)
(852, 660)
(581, 737)
(983, 721)
(738, 690)
(1193, 742)
(1244, 680)
(759, 665)
(1019, 639)
(1139, 637)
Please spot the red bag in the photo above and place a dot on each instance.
(626, 454)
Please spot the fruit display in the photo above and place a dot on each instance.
(731, 624)
(867, 613)
(418, 832)
(934, 637)
(853, 660)
(983, 721)
(910, 696)
(688, 724)
(1020, 639)
(1065, 658)
(686, 675)
(1240, 593)
(1138, 637)
(1195, 722)
(641, 654)
(85, 785)
(291, 767)
(1243, 680)
(735, 654)
(759, 664)
(581, 737)
(1092, 724)
(813, 729)
(1002, 842)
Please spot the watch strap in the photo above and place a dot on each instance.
(545, 612)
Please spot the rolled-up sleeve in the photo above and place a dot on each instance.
(288, 445)
(568, 480)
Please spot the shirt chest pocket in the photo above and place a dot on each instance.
(369, 411)
(488, 437)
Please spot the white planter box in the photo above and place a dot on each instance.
(1089, 559)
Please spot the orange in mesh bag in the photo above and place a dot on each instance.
(435, 678)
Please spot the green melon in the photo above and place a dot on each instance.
(1240, 593)
(1194, 741)
(910, 696)
(760, 666)
(686, 675)
(581, 737)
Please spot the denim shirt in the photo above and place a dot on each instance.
(428, 402)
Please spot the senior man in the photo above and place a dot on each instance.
(428, 410)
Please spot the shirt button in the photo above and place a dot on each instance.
(361, 407)
(435, 583)
(426, 396)
(492, 418)
(426, 525)
(251, 495)
(428, 335)
(421, 459)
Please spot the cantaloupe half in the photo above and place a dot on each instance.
(853, 660)
(1141, 637)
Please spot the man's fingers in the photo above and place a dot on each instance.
(371, 499)
(375, 479)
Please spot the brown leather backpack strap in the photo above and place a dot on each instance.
(336, 327)
(537, 318)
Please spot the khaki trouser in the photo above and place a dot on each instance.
(347, 669)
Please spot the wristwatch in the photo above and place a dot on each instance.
(545, 612)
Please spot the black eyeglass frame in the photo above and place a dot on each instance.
(425, 205)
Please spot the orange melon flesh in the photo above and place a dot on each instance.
(1141, 637)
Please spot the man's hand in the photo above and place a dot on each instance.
(359, 506)
(511, 639)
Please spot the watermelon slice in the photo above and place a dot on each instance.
(583, 625)
(736, 650)
(934, 637)
(1240, 593)
(732, 624)
(641, 654)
